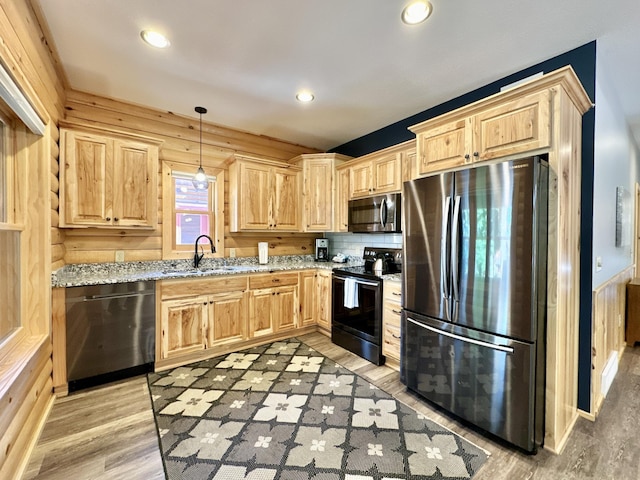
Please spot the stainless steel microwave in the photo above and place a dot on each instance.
(375, 214)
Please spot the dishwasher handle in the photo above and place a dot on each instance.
(107, 296)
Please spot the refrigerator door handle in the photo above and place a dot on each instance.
(444, 277)
(455, 280)
(501, 348)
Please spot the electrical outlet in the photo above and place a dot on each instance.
(598, 264)
(119, 255)
(232, 253)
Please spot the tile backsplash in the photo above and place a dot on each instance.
(352, 244)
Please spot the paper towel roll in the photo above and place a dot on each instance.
(263, 252)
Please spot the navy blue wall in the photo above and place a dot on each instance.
(583, 61)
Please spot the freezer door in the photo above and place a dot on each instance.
(494, 259)
(486, 380)
(427, 204)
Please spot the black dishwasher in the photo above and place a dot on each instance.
(110, 332)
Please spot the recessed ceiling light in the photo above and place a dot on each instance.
(304, 97)
(416, 12)
(155, 39)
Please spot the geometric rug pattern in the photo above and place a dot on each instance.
(283, 411)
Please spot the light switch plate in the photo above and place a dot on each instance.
(232, 253)
(598, 264)
(119, 255)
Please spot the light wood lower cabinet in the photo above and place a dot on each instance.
(196, 323)
(183, 324)
(307, 293)
(391, 322)
(226, 318)
(275, 308)
(323, 300)
(201, 318)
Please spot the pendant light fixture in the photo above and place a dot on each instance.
(200, 180)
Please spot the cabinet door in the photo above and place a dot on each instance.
(254, 197)
(285, 201)
(227, 318)
(361, 180)
(323, 300)
(182, 326)
(408, 164)
(342, 201)
(260, 319)
(391, 329)
(86, 179)
(386, 174)
(317, 193)
(307, 298)
(135, 184)
(444, 147)
(518, 126)
(283, 308)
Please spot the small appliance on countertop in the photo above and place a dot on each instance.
(322, 250)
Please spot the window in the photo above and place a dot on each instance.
(9, 243)
(189, 213)
(194, 211)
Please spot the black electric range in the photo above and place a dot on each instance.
(356, 320)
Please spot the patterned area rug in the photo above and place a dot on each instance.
(285, 412)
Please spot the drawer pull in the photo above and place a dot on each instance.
(395, 336)
(397, 294)
(398, 312)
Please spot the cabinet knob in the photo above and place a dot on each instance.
(210, 302)
(115, 219)
(467, 157)
(108, 219)
(476, 154)
(204, 303)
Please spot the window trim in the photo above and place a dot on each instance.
(169, 170)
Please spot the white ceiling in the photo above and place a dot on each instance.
(245, 59)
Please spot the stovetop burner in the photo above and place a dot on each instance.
(391, 259)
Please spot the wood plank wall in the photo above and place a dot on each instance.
(608, 323)
(180, 136)
(25, 373)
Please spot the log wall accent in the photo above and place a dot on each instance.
(180, 136)
(25, 357)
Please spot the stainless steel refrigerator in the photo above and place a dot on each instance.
(474, 295)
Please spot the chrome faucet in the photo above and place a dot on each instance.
(198, 257)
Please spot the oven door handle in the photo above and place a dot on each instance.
(363, 282)
(359, 281)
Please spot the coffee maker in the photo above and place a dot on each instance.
(322, 250)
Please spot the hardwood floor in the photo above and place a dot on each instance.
(109, 432)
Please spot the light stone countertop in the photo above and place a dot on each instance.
(108, 273)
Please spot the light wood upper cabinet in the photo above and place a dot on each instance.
(376, 173)
(263, 195)
(518, 126)
(342, 200)
(445, 146)
(108, 181)
(319, 190)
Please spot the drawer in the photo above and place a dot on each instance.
(391, 341)
(391, 314)
(188, 287)
(393, 291)
(272, 280)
